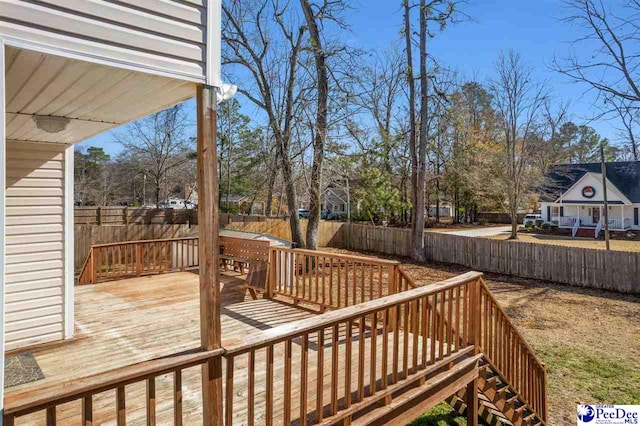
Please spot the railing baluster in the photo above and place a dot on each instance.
(121, 406)
(320, 377)
(405, 340)
(251, 392)
(334, 369)
(424, 302)
(87, 410)
(449, 320)
(385, 347)
(229, 393)
(396, 343)
(51, 416)
(151, 401)
(287, 382)
(374, 350)
(415, 330)
(348, 350)
(177, 398)
(361, 338)
(434, 327)
(269, 387)
(304, 370)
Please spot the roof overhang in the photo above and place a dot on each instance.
(92, 97)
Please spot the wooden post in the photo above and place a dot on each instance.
(271, 280)
(474, 315)
(138, 259)
(471, 399)
(545, 415)
(94, 267)
(208, 254)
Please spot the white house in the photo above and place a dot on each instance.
(573, 197)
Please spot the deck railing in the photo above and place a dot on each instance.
(83, 391)
(136, 258)
(330, 367)
(348, 359)
(331, 280)
(510, 355)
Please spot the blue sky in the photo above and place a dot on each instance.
(530, 26)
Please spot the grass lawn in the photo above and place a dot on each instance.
(559, 240)
(590, 340)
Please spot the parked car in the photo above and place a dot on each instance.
(303, 214)
(532, 219)
(336, 216)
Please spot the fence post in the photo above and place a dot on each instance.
(474, 314)
(99, 216)
(138, 259)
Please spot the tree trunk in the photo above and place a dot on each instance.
(322, 81)
(417, 210)
(418, 235)
(273, 174)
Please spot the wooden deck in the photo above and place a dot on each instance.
(128, 321)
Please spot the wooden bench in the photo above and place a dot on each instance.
(252, 255)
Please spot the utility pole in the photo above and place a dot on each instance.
(604, 195)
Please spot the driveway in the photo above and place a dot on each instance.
(480, 232)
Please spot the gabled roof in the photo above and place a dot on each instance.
(625, 175)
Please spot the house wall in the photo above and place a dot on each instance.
(163, 36)
(34, 244)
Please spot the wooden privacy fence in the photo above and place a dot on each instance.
(120, 215)
(600, 269)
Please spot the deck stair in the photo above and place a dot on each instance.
(499, 403)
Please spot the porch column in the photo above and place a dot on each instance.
(3, 186)
(208, 252)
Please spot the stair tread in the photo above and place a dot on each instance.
(407, 396)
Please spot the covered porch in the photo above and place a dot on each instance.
(592, 216)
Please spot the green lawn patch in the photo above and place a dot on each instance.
(606, 381)
(440, 415)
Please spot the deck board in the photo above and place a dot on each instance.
(130, 321)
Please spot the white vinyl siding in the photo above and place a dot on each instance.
(168, 36)
(34, 271)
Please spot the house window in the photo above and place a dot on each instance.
(561, 211)
(549, 213)
(636, 213)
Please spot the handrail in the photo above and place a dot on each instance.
(510, 354)
(371, 260)
(160, 240)
(54, 395)
(294, 329)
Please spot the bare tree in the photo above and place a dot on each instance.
(439, 12)
(518, 101)
(629, 119)
(610, 64)
(261, 37)
(320, 131)
(159, 143)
